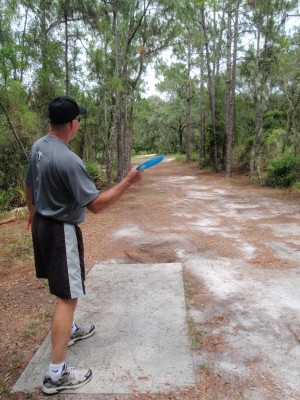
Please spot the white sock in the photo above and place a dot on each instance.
(74, 327)
(55, 370)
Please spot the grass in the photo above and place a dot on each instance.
(188, 290)
(4, 390)
(43, 284)
(44, 314)
(15, 362)
(30, 329)
(203, 367)
(31, 396)
(195, 334)
(296, 186)
(16, 245)
(182, 157)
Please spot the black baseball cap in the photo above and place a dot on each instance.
(64, 109)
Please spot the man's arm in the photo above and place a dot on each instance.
(108, 197)
(30, 206)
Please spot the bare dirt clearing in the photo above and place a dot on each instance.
(239, 245)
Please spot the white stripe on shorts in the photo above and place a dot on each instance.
(73, 261)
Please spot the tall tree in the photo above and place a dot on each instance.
(202, 119)
(267, 21)
(232, 40)
(211, 91)
(138, 32)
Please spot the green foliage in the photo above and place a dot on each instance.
(93, 170)
(17, 121)
(33, 70)
(114, 84)
(274, 126)
(11, 160)
(296, 185)
(97, 173)
(284, 172)
(139, 153)
(11, 198)
(148, 128)
(182, 157)
(196, 334)
(3, 199)
(12, 174)
(274, 119)
(158, 125)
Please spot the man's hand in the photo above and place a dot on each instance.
(29, 221)
(30, 206)
(134, 176)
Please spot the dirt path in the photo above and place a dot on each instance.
(239, 246)
(240, 249)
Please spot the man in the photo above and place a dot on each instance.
(58, 189)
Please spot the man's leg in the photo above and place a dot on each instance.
(57, 246)
(61, 328)
(68, 377)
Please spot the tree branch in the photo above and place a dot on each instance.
(138, 24)
(13, 131)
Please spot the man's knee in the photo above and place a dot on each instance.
(68, 303)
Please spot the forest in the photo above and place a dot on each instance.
(227, 84)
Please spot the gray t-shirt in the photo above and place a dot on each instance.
(59, 183)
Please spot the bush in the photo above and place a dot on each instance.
(284, 172)
(182, 157)
(97, 173)
(11, 198)
(92, 169)
(296, 185)
(3, 199)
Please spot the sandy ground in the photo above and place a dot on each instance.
(239, 246)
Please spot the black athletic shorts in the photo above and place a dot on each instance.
(58, 255)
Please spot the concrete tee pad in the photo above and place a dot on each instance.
(141, 341)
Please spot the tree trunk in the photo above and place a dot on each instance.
(23, 44)
(202, 108)
(129, 84)
(180, 134)
(258, 111)
(45, 87)
(227, 115)
(188, 108)
(128, 136)
(230, 84)
(67, 79)
(211, 91)
(117, 109)
(11, 127)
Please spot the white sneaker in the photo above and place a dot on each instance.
(71, 378)
(82, 332)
